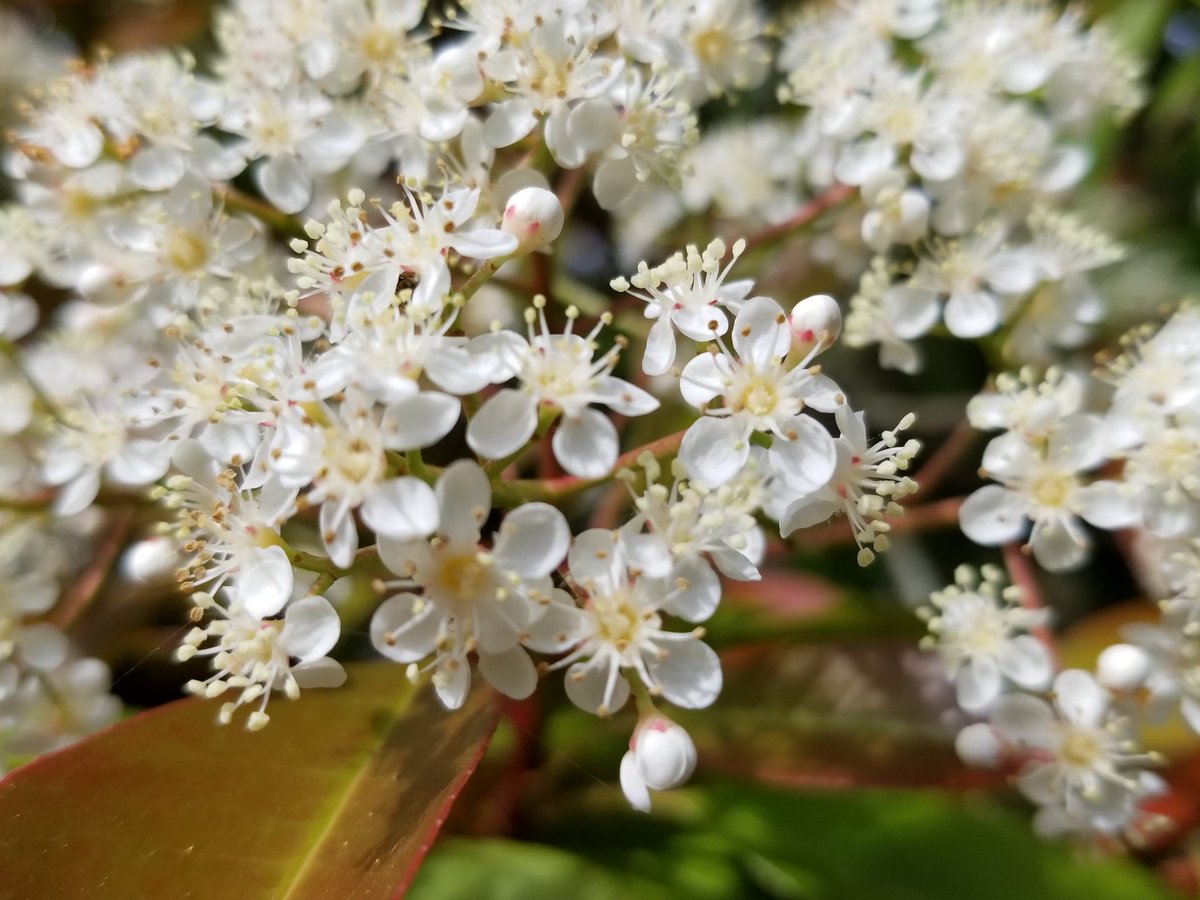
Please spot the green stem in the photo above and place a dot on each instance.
(480, 277)
(267, 214)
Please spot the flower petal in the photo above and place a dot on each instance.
(310, 628)
(533, 539)
(586, 446)
(464, 501)
(503, 425)
(402, 509)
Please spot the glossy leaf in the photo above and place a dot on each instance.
(339, 796)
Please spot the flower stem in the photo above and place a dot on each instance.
(805, 215)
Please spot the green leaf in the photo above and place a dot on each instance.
(736, 840)
(339, 796)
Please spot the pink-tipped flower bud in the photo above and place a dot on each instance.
(816, 322)
(1122, 667)
(661, 756)
(534, 217)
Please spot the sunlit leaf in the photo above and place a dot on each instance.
(339, 796)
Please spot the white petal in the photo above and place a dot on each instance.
(452, 681)
(1059, 544)
(338, 534)
(627, 399)
(157, 168)
(689, 675)
(319, 673)
(405, 628)
(971, 314)
(1023, 719)
(503, 425)
(310, 628)
(285, 182)
(861, 161)
(595, 559)
(511, 672)
(1082, 702)
(420, 421)
(586, 446)
(714, 450)
(703, 378)
(265, 582)
(807, 461)
(587, 683)
(405, 558)
(533, 540)
(1108, 504)
(593, 125)
(632, 783)
(978, 684)
(993, 516)
(78, 493)
(615, 179)
(464, 501)
(694, 589)
(1026, 661)
(509, 122)
(660, 347)
(402, 509)
(558, 627)
(483, 243)
(760, 332)
(806, 512)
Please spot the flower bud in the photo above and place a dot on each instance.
(150, 559)
(661, 756)
(978, 746)
(1122, 667)
(816, 322)
(534, 217)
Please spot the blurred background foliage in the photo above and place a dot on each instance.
(826, 771)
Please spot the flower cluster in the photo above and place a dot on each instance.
(327, 326)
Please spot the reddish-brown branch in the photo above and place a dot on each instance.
(948, 453)
(1021, 573)
(831, 196)
(85, 588)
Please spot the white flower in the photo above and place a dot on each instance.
(655, 127)
(686, 294)
(759, 394)
(661, 756)
(472, 599)
(618, 633)
(357, 263)
(867, 483)
(1082, 769)
(296, 131)
(979, 629)
(254, 656)
(553, 72)
(978, 275)
(559, 372)
(1027, 405)
(691, 523)
(341, 458)
(1040, 482)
